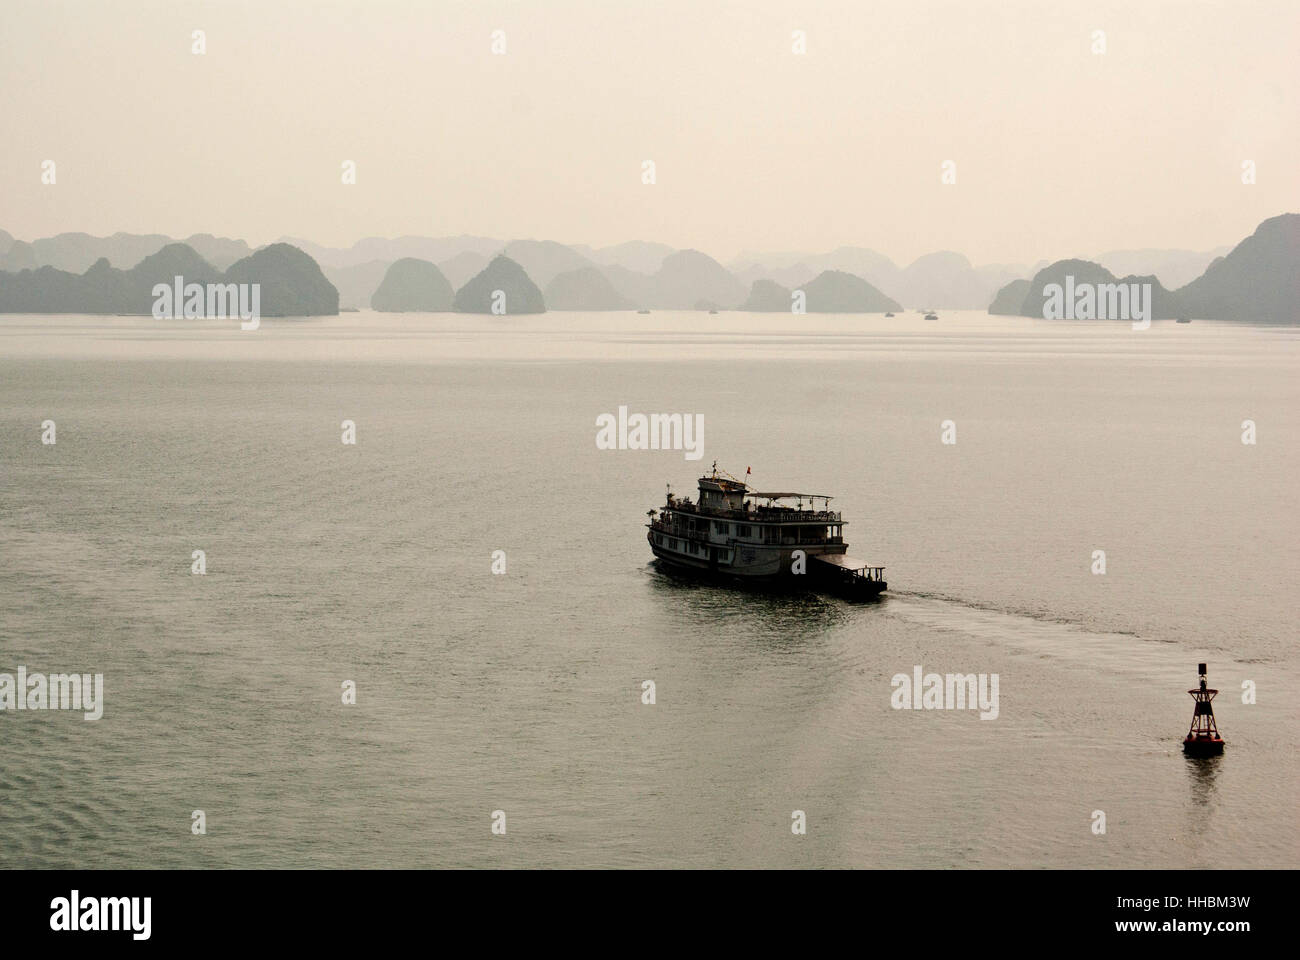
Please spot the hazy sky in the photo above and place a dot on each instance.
(1058, 151)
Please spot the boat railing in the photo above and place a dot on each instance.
(790, 513)
(759, 514)
(659, 526)
(872, 574)
(703, 536)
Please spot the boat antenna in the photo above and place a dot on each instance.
(725, 474)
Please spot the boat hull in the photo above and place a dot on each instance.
(772, 566)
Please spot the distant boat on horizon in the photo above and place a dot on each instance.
(932, 316)
(1183, 320)
(889, 314)
(643, 311)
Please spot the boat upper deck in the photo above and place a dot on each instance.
(725, 498)
(751, 512)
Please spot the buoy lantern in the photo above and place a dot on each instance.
(1203, 738)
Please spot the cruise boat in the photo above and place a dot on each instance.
(758, 536)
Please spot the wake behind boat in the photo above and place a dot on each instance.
(760, 537)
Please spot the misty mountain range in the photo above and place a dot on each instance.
(291, 283)
(431, 274)
(1257, 281)
(938, 280)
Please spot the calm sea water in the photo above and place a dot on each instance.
(522, 692)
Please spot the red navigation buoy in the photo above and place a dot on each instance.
(1203, 738)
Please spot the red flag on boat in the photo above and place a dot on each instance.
(747, 471)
